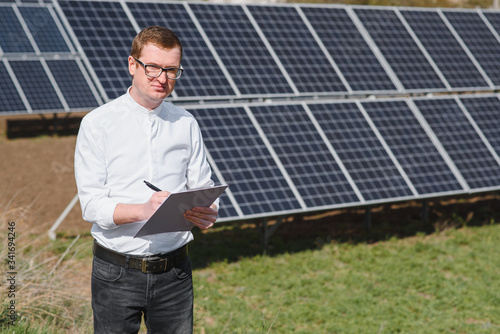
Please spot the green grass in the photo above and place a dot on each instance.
(443, 283)
(327, 275)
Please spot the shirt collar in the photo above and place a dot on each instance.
(142, 109)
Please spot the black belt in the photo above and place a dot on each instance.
(147, 264)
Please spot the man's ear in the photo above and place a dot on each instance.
(131, 65)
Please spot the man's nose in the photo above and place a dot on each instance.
(163, 77)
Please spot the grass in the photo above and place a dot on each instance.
(40, 269)
(443, 283)
(402, 276)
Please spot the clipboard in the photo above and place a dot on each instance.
(170, 215)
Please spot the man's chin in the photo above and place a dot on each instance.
(160, 96)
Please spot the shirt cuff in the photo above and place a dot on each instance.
(104, 215)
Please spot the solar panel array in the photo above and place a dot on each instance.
(292, 157)
(302, 107)
(237, 51)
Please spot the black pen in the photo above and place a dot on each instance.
(152, 186)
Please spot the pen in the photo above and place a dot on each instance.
(152, 186)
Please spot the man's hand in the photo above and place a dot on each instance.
(202, 217)
(131, 213)
(154, 203)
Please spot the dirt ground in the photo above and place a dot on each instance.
(38, 172)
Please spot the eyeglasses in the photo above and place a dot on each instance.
(154, 71)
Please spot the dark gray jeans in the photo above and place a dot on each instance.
(120, 296)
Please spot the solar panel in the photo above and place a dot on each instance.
(479, 39)
(72, 83)
(44, 30)
(10, 101)
(280, 153)
(444, 49)
(297, 50)
(105, 34)
(36, 85)
(13, 37)
(486, 112)
(398, 47)
(361, 152)
(244, 161)
(226, 208)
(348, 48)
(203, 75)
(413, 148)
(461, 141)
(241, 49)
(493, 18)
(305, 156)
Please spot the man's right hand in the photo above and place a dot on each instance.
(131, 213)
(154, 203)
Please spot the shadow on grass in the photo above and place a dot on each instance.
(229, 242)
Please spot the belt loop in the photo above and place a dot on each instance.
(127, 258)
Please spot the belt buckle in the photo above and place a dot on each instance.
(151, 265)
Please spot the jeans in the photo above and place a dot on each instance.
(120, 296)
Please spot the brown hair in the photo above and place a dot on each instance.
(162, 37)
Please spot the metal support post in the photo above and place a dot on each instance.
(368, 218)
(425, 210)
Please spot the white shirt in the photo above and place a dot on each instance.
(121, 144)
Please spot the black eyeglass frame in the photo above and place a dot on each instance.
(162, 69)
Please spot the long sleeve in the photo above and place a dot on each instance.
(90, 175)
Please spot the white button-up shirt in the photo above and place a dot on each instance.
(121, 144)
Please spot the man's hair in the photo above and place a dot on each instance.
(162, 37)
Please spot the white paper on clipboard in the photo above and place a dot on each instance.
(170, 215)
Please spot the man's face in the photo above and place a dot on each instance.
(150, 92)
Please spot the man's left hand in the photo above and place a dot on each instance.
(202, 217)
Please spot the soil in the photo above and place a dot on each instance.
(36, 185)
(38, 172)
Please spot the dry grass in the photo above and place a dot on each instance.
(42, 293)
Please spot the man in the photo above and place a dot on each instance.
(134, 138)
